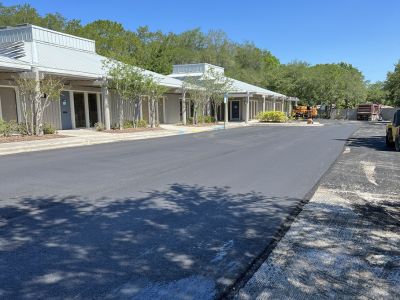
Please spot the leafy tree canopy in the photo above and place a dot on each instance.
(338, 84)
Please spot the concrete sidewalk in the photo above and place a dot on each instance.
(85, 137)
(345, 244)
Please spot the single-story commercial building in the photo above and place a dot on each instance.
(86, 99)
(245, 100)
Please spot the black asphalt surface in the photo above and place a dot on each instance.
(170, 218)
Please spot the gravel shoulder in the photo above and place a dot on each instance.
(345, 242)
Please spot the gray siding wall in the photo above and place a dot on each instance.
(269, 105)
(52, 114)
(8, 104)
(172, 109)
(114, 108)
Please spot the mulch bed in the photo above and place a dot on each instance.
(24, 138)
(131, 130)
(202, 125)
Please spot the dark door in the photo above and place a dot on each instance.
(79, 105)
(93, 116)
(65, 107)
(235, 110)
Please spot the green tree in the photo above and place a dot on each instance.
(36, 96)
(155, 91)
(215, 86)
(376, 92)
(18, 14)
(392, 86)
(197, 95)
(129, 83)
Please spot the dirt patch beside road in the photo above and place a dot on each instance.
(345, 242)
(24, 138)
(132, 130)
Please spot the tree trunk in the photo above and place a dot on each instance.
(152, 113)
(137, 112)
(184, 108)
(195, 113)
(40, 123)
(204, 112)
(215, 113)
(121, 114)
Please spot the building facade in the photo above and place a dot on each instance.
(86, 100)
(245, 100)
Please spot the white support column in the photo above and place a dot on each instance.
(163, 110)
(283, 105)
(263, 107)
(148, 109)
(226, 111)
(184, 117)
(72, 105)
(274, 104)
(86, 104)
(247, 108)
(18, 102)
(98, 107)
(106, 104)
(141, 109)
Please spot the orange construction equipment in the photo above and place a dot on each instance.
(305, 112)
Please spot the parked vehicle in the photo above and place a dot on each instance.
(305, 112)
(393, 131)
(368, 112)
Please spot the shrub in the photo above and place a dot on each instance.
(48, 129)
(207, 119)
(99, 126)
(128, 124)
(21, 129)
(272, 116)
(8, 128)
(141, 123)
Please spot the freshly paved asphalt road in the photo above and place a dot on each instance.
(157, 219)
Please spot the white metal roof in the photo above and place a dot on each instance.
(13, 64)
(243, 87)
(62, 54)
(238, 87)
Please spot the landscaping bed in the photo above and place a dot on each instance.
(201, 125)
(131, 130)
(24, 138)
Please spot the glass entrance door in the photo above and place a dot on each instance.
(235, 110)
(93, 113)
(79, 105)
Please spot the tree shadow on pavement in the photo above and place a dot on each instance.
(374, 142)
(181, 243)
(325, 255)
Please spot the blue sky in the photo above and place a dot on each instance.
(364, 33)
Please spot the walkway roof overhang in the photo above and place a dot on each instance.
(239, 88)
(13, 65)
(73, 64)
(85, 65)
